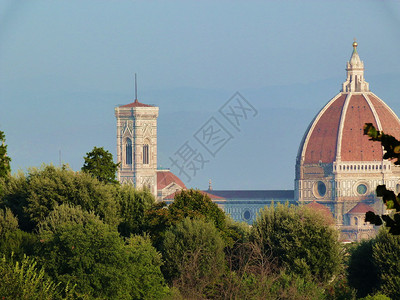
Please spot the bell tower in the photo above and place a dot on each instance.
(137, 145)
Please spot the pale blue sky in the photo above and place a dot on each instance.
(64, 65)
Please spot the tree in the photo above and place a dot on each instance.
(193, 203)
(392, 201)
(31, 198)
(299, 240)
(14, 196)
(385, 255)
(8, 222)
(193, 251)
(99, 163)
(5, 168)
(24, 280)
(188, 203)
(362, 270)
(374, 266)
(12, 239)
(254, 274)
(76, 246)
(133, 205)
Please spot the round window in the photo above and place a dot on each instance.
(247, 215)
(362, 189)
(319, 189)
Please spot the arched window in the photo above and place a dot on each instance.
(128, 151)
(146, 154)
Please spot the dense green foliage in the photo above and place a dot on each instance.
(133, 205)
(194, 252)
(300, 241)
(5, 168)
(8, 222)
(99, 163)
(374, 266)
(89, 239)
(23, 280)
(385, 255)
(254, 274)
(362, 271)
(77, 247)
(193, 204)
(34, 196)
(69, 222)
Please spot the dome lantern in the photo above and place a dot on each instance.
(355, 81)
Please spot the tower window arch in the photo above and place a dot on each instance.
(146, 154)
(128, 151)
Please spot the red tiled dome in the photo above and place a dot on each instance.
(336, 133)
(337, 130)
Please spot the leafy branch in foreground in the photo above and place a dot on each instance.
(392, 201)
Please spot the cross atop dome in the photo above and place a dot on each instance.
(355, 81)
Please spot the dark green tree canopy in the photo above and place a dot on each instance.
(194, 254)
(362, 270)
(385, 256)
(193, 204)
(300, 240)
(24, 280)
(5, 168)
(374, 266)
(133, 205)
(77, 247)
(99, 163)
(32, 197)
